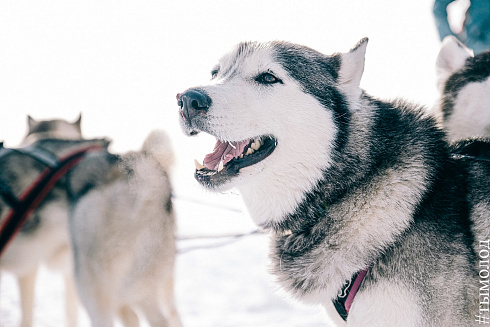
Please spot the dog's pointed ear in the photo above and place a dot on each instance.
(31, 122)
(352, 64)
(452, 57)
(78, 123)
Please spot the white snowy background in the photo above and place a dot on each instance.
(120, 63)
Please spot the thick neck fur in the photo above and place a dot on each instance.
(356, 201)
(364, 157)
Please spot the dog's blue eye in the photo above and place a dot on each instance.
(267, 78)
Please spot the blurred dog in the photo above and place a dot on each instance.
(114, 211)
(464, 85)
(44, 239)
(122, 229)
(52, 129)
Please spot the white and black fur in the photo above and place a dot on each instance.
(343, 181)
(464, 86)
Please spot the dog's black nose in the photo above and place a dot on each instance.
(193, 102)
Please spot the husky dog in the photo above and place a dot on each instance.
(464, 84)
(52, 129)
(118, 212)
(122, 228)
(343, 182)
(45, 237)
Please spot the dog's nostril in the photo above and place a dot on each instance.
(195, 105)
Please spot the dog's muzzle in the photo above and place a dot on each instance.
(193, 103)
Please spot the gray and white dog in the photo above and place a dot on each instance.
(464, 86)
(44, 239)
(122, 228)
(111, 216)
(343, 181)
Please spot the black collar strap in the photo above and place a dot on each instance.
(346, 295)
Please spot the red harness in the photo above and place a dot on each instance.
(36, 192)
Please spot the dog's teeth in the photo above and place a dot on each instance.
(198, 165)
(220, 166)
(249, 151)
(255, 145)
(241, 156)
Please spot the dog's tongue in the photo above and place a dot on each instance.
(224, 151)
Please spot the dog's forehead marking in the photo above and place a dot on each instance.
(255, 57)
(232, 61)
(476, 69)
(247, 58)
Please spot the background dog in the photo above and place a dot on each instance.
(122, 228)
(343, 182)
(121, 225)
(464, 86)
(44, 239)
(52, 129)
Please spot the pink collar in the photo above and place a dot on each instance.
(346, 295)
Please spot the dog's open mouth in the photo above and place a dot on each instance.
(229, 157)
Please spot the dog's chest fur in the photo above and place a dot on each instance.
(359, 232)
(344, 237)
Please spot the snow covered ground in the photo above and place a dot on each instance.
(121, 63)
(221, 282)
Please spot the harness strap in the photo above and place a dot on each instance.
(346, 296)
(7, 195)
(44, 156)
(6, 192)
(36, 192)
